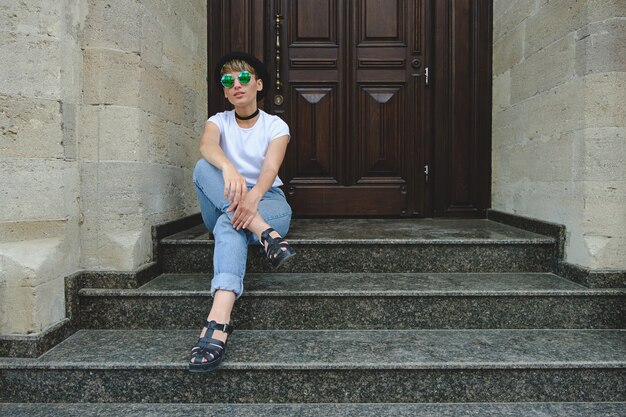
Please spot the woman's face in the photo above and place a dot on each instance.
(240, 94)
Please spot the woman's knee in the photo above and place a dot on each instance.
(203, 172)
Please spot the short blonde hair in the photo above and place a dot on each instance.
(237, 65)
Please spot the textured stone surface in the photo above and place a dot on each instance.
(315, 410)
(424, 245)
(385, 231)
(557, 92)
(363, 349)
(85, 83)
(362, 301)
(443, 366)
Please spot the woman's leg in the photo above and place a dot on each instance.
(230, 251)
(231, 246)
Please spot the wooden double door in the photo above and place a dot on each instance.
(355, 81)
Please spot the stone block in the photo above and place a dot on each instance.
(31, 66)
(598, 10)
(30, 128)
(161, 94)
(561, 109)
(552, 21)
(508, 51)
(151, 40)
(31, 263)
(605, 207)
(557, 202)
(120, 251)
(32, 230)
(499, 8)
(603, 224)
(501, 96)
(16, 310)
(605, 95)
(545, 69)
(201, 84)
(124, 197)
(547, 159)
(600, 47)
(609, 255)
(177, 60)
(27, 310)
(602, 154)
(111, 77)
(70, 146)
(508, 126)
(114, 24)
(112, 133)
(115, 133)
(200, 8)
(509, 15)
(42, 17)
(45, 189)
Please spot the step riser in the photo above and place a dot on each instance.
(377, 258)
(302, 386)
(265, 313)
(317, 410)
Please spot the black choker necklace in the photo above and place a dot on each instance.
(252, 116)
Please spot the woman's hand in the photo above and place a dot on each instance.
(235, 186)
(246, 209)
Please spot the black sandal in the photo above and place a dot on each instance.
(278, 250)
(208, 348)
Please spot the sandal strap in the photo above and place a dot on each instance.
(213, 325)
(207, 346)
(265, 236)
(274, 245)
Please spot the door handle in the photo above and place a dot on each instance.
(278, 98)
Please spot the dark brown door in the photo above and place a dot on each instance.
(365, 124)
(352, 92)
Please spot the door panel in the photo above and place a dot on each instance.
(317, 128)
(349, 89)
(369, 135)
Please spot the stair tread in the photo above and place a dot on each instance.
(306, 410)
(387, 231)
(367, 284)
(345, 349)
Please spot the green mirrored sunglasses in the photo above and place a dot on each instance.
(228, 80)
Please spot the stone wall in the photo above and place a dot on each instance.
(144, 107)
(40, 88)
(101, 108)
(559, 124)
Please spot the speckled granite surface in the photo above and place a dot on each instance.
(317, 410)
(361, 301)
(378, 354)
(314, 386)
(329, 349)
(378, 258)
(383, 245)
(361, 231)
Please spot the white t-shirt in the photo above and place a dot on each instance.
(246, 147)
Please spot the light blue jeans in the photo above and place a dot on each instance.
(231, 245)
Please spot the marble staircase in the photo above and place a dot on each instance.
(373, 317)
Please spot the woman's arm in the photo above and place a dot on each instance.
(235, 185)
(274, 156)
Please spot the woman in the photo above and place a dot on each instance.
(237, 187)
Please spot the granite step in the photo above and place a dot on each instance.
(298, 366)
(381, 245)
(316, 410)
(363, 301)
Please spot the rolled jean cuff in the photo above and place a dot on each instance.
(227, 282)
